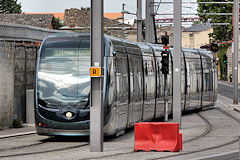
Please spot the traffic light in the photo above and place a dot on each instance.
(214, 47)
(165, 62)
(224, 58)
(165, 40)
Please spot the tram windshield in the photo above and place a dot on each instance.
(63, 75)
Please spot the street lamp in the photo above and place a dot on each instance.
(125, 12)
(109, 20)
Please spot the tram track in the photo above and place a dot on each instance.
(236, 140)
(208, 130)
(40, 142)
(17, 136)
(43, 152)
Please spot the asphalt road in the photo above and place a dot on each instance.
(226, 89)
(224, 130)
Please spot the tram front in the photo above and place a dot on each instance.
(63, 86)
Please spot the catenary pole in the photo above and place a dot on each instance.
(139, 21)
(147, 24)
(123, 23)
(97, 52)
(177, 52)
(149, 32)
(152, 37)
(236, 48)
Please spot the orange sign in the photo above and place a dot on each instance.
(95, 71)
(165, 47)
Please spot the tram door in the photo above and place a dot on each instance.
(136, 88)
(193, 77)
(121, 75)
(135, 83)
(207, 81)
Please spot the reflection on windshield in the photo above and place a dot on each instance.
(63, 77)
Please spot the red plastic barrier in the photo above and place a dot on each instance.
(157, 136)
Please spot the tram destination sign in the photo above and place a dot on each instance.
(68, 52)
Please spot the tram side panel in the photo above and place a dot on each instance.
(183, 82)
(207, 98)
(121, 90)
(170, 85)
(215, 81)
(117, 87)
(136, 83)
(193, 71)
(159, 112)
(149, 82)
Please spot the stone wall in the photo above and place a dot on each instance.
(38, 20)
(75, 17)
(17, 61)
(25, 60)
(6, 84)
(81, 18)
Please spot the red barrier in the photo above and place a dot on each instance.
(157, 136)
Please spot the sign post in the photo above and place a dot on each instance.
(177, 54)
(236, 49)
(165, 71)
(96, 99)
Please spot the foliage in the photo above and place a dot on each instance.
(10, 6)
(223, 66)
(220, 33)
(57, 23)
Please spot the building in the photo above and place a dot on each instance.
(196, 35)
(60, 16)
(39, 20)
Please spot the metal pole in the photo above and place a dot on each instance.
(148, 25)
(139, 21)
(97, 52)
(165, 99)
(236, 48)
(152, 36)
(123, 8)
(177, 54)
(239, 145)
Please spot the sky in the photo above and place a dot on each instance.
(60, 5)
(110, 6)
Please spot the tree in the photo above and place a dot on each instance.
(57, 23)
(220, 33)
(10, 6)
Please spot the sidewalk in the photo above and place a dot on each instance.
(223, 130)
(13, 132)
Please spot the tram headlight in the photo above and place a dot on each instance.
(69, 115)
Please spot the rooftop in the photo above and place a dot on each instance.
(198, 27)
(39, 20)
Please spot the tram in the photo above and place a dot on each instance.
(133, 87)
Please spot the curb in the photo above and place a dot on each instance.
(227, 155)
(17, 134)
(237, 109)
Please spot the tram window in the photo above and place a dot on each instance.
(158, 68)
(63, 76)
(146, 68)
